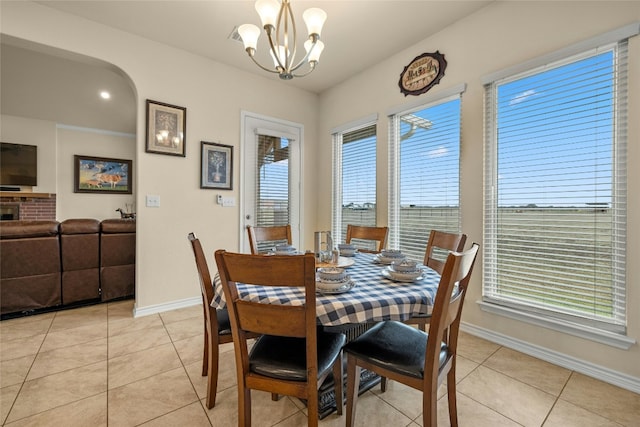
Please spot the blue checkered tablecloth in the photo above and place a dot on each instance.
(373, 299)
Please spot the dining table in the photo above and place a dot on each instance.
(373, 298)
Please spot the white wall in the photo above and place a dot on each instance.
(214, 95)
(499, 36)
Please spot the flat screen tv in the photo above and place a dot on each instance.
(18, 164)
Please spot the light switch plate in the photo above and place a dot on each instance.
(152, 201)
(228, 201)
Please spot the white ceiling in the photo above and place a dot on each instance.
(357, 34)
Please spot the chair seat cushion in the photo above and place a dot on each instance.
(285, 357)
(224, 325)
(394, 346)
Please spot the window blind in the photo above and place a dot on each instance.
(425, 174)
(555, 189)
(272, 182)
(355, 170)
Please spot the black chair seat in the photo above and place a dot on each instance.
(284, 357)
(394, 346)
(224, 324)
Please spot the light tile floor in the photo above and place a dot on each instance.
(98, 366)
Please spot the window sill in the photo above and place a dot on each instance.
(582, 331)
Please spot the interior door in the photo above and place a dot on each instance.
(271, 177)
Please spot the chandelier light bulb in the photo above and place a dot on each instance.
(268, 11)
(316, 50)
(314, 18)
(250, 34)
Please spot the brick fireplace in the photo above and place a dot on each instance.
(27, 206)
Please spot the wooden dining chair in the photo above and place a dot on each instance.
(412, 357)
(439, 245)
(293, 356)
(374, 234)
(217, 329)
(275, 234)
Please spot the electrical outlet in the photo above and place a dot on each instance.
(219, 199)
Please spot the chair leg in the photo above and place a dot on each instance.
(212, 380)
(244, 406)
(312, 406)
(353, 385)
(205, 357)
(383, 384)
(275, 397)
(451, 396)
(338, 380)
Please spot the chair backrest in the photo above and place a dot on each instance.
(275, 234)
(263, 317)
(447, 310)
(206, 285)
(359, 232)
(440, 244)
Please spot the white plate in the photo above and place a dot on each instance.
(342, 289)
(349, 254)
(345, 279)
(388, 275)
(384, 260)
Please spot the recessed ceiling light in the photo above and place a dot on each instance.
(105, 95)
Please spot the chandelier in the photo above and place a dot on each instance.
(278, 23)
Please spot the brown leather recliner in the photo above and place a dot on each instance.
(80, 251)
(29, 266)
(117, 258)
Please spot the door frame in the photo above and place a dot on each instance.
(249, 122)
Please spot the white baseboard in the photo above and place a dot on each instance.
(607, 375)
(161, 308)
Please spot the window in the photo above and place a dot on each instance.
(354, 178)
(424, 158)
(555, 189)
(272, 181)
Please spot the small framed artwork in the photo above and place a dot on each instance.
(101, 175)
(216, 162)
(166, 129)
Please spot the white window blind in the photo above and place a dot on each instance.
(425, 174)
(354, 178)
(272, 182)
(555, 189)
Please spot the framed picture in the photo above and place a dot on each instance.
(102, 175)
(216, 166)
(166, 129)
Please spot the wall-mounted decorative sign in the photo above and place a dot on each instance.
(422, 73)
(166, 129)
(216, 169)
(101, 175)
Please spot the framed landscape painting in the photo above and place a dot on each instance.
(216, 166)
(101, 175)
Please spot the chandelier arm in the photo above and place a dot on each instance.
(263, 67)
(269, 30)
(294, 36)
(312, 66)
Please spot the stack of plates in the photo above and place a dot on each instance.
(406, 275)
(334, 286)
(285, 250)
(388, 256)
